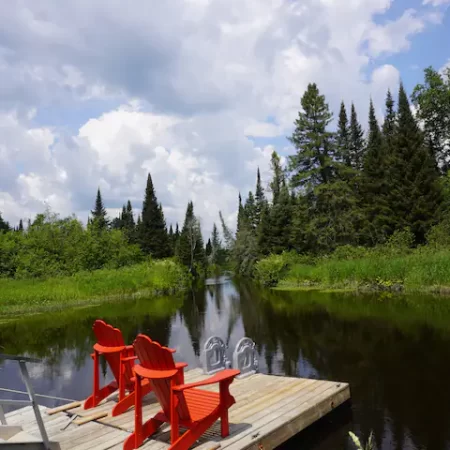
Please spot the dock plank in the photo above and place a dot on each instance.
(269, 410)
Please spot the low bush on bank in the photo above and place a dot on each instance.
(394, 265)
(153, 277)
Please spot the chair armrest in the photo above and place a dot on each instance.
(129, 347)
(171, 350)
(150, 373)
(181, 365)
(103, 349)
(223, 375)
(129, 358)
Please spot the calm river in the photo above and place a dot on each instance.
(394, 352)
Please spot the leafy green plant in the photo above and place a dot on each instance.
(369, 445)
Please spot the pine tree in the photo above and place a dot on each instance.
(389, 124)
(343, 137)
(4, 226)
(171, 240)
(153, 237)
(377, 227)
(241, 217)
(414, 191)
(99, 215)
(191, 248)
(356, 141)
(259, 199)
(176, 240)
(277, 177)
(313, 162)
(217, 255)
(250, 211)
(208, 249)
(20, 225)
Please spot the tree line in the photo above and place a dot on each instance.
(342, 187)
(52, 246)
(345, 187)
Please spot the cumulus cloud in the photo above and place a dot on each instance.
(180, 91)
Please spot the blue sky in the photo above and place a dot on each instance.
(198, 92)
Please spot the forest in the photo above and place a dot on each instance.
(344, 194)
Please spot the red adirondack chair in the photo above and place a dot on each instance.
(121, 360)
(182, 404)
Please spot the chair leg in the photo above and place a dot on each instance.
(190, 437)
(224, 424)
(129, 401)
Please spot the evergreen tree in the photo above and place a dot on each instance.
(377, 227)
(389, 124)
(217, 255)
(4, 226)
(313, 162)
(277, 177)
(241, 218)
(153, 237)
(191, 248)
(208, 249)
(250, 211)
(414, 191)
(20, 228)
(299, 237)
(171, 240)
(343, 137)
(176, 240)
(259, 199)
(356, 142)
(99, 216)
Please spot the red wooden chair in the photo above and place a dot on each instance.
(182, 404)
(121, 360)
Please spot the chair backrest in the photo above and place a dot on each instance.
(155, 357)
(108, 336)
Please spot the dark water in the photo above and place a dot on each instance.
(394, 352)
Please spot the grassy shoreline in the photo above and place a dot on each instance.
(421, 270)
(154, 278)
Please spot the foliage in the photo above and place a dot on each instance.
(191, 250)
(152, 231)
(269, 271)
(369, 445)
(432, 100)
(152, 277)
(99, 217)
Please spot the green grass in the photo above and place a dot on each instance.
(86, 288)
(422, 270)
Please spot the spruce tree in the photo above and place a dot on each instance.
(250, 211)
(378, 222)
(4, 226)
(217, 256)
(99, 215)
(313, 162)
(343, 137)
(171, 240)
(191, 247)
(259, 198)
(389, 124)
(356, 141)
(20, 225)
(241, 217)
(414, 191)
(208, 248)
(277, 177)
(153, 237)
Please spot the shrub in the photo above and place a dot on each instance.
(270, 270)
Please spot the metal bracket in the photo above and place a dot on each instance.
(214, 356)
(245, 357)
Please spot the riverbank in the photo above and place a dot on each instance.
(154, 278)
(421, 270)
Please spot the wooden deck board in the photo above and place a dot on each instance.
(268, 411)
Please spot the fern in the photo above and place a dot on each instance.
(370, 444)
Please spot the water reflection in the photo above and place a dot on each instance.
(394, 352)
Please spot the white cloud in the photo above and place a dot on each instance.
(174, 91)
(435, 2)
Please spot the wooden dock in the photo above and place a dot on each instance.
(268, 411)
